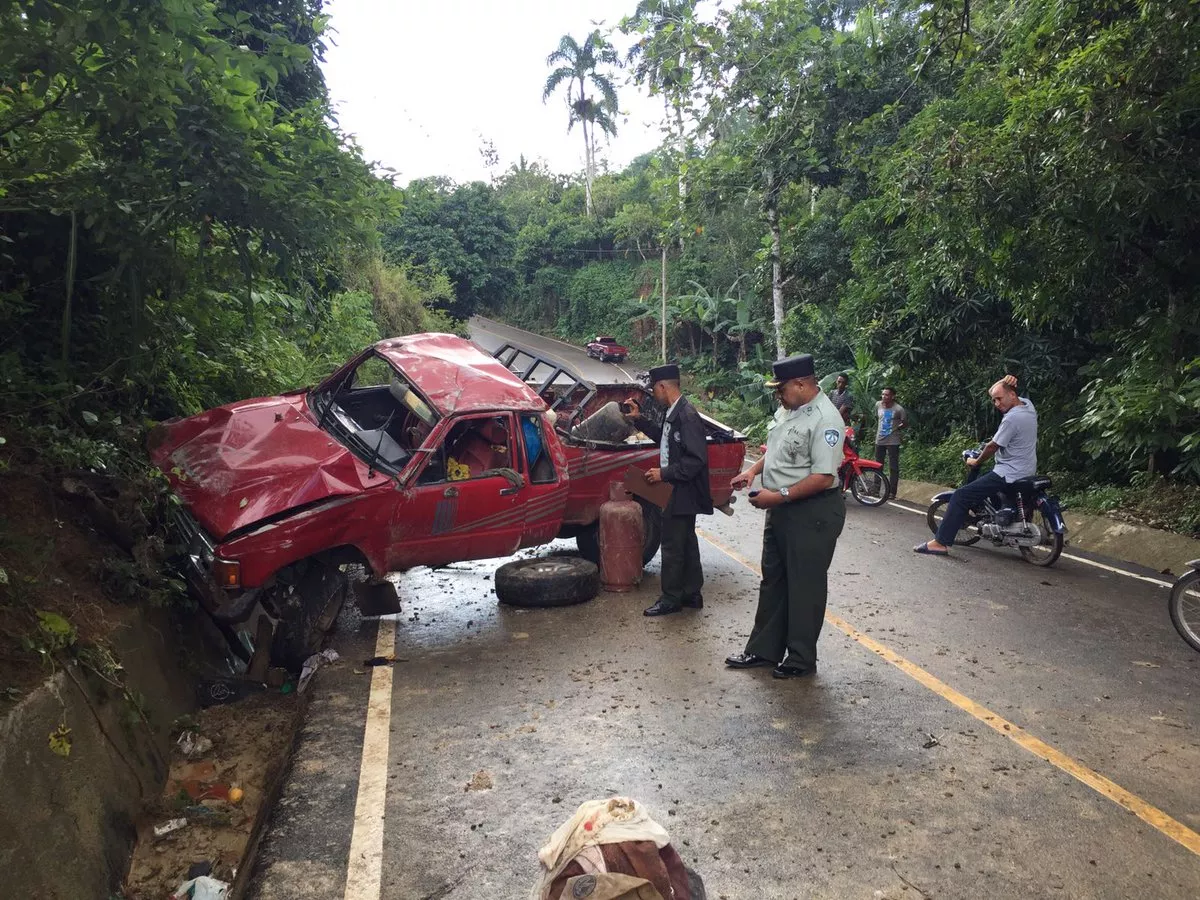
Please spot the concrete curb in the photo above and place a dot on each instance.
(1139, 545)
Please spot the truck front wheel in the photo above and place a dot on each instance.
(306, 602)
(588, 538)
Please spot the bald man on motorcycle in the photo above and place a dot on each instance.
(1015, 448)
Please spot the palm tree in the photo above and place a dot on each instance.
(578, 67)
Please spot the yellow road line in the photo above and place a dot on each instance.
(1148, 813)
(364, 873)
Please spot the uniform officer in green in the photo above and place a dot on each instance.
(805, 515)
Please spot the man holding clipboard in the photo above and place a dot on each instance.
(683, 464)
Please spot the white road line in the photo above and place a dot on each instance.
(364, 873)
(1086, 562)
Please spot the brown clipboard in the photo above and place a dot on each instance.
(636, 484)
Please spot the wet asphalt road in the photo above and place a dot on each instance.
(859, 782)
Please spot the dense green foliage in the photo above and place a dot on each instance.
(181, 224)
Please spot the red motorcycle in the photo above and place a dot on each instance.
(863, 477)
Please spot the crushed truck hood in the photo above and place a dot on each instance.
(238, 464)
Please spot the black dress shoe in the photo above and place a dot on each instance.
(696, 601)
(661, 607)
(789, 671)
(747, 661)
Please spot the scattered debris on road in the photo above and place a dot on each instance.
(480, 781)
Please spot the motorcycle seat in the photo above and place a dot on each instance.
(1029, 485)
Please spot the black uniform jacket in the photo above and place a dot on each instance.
(687, 460)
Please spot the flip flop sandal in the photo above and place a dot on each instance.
(929, 551)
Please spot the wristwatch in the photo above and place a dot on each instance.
(783, 492)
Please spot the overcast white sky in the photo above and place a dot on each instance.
(422, 84)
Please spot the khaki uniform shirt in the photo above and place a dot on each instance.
(801, 442)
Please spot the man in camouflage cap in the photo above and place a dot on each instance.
(805, 515)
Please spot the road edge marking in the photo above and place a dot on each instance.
(364, 870)
(1087, 562)
(1147, 812)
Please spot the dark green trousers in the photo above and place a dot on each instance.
(798, 543)
(682, 576)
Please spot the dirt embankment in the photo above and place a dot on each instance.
(99, 667)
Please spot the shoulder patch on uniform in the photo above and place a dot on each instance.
(831, 436)
(584, 886)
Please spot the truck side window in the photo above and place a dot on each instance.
(541, 467)
(475, 448)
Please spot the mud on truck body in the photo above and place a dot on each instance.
(420, 451)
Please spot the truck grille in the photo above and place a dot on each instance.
(195, 546)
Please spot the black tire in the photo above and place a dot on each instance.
(588, 538)
(547, 581)
(1184, 605)
(967, 535)
(1049, 550)
(870, 487)
(307, 609)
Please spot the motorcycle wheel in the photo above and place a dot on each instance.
(1047, 552)
(870, 487)
(967, 535)
(1184, 605)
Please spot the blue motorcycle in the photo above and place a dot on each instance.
(1025, 515)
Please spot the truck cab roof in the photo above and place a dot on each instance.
(455, 376)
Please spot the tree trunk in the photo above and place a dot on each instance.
(664, 304)
(772, 211)
(680, 159)
(587, 170)
(72, 249)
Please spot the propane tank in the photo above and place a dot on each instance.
(606, 424)
(620, 540)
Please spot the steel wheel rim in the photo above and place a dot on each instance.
(1045, 547)
(861, 479)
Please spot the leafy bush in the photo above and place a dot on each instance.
(598, 300)
(939, 462)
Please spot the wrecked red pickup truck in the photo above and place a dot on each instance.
(422, 450)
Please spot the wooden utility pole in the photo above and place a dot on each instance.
(664, 304)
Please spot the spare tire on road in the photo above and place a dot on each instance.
(547, 581)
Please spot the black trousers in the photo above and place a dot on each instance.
(682, 576)
(798, 543)
(893, 458)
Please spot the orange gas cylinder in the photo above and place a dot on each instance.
(620, 540)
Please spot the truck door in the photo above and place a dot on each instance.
(465, 501)
(544, 498)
